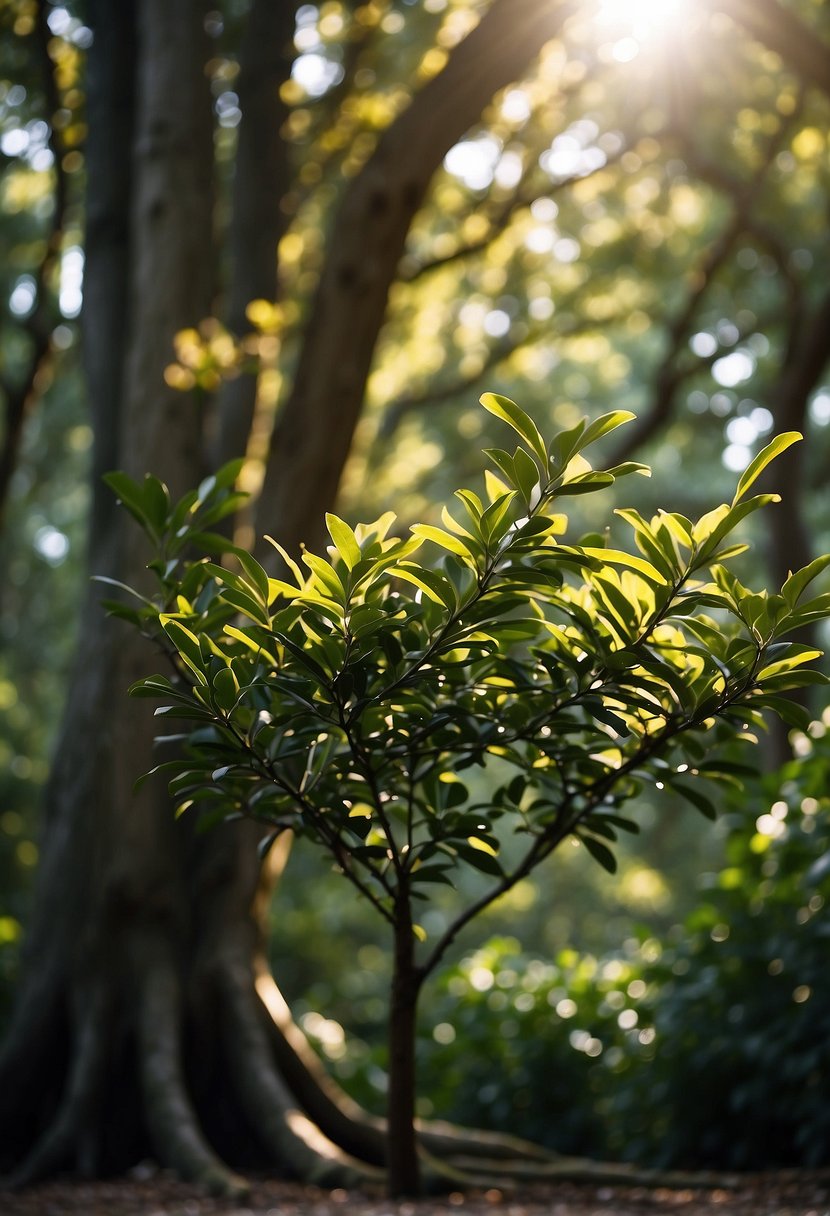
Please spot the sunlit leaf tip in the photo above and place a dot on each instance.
(756, 467)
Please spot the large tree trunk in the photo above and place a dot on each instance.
(147, 1021)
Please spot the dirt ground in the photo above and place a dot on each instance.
(159, 1195)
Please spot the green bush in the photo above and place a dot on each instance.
(741, 1003)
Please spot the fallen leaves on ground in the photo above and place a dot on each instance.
(782, 1194)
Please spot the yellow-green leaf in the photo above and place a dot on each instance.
(344, 539)
(439, 537)
(754, 470)
(616, 557)
(522, 423)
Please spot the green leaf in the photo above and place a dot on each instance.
(344, 539)
(585, 483)
(247, 605)
(130, 494)
(113, 582)
(432, 873)
(504, 463)
(326, 574)
(788, 711)
(756, 467)
(600, 852)
(256, 575)
(618, 557)
(522, 423)
(711, 528)
(225, 689)
(698, 800)
(434, 587)
(795, 657)
(479, 859)
(797, 583)
(186, 644)
(494, 520)
(240, 635)
(527, 474)
(289, 561)
(563, 447)
(156, 502)
(439, 537)
(603, 425)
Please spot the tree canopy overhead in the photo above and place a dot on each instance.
(309, 235)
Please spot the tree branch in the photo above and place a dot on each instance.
(438, 394)
(525, 194)
(669, 375)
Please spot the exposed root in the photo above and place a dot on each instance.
(581, 1169)
(450, 1155)
(346, 1122)
(297, 1144)
(172, 1122)
(338, 1116)
(448, 1142)
(25, 1058)
(64, 1141)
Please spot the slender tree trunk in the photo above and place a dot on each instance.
(402, 1153)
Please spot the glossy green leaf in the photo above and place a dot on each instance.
(441, 538)
(756, 467)
(344, 539)
(698, 799)
(130, 494)
(617, 557)
(604, 425)
(186, 645)
(797, 583)
(600, 852)
(515, 417)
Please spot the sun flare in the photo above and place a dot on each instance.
(642, 18)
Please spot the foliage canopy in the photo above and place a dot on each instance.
(344, 704)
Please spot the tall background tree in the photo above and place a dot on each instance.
(311, 234)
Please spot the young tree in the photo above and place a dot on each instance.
(134, 949)
(342, 705)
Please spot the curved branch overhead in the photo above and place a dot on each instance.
(364, 247)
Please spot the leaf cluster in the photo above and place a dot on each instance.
(347, 699)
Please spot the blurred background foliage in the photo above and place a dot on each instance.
(638, 223)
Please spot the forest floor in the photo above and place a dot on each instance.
(158, 1195)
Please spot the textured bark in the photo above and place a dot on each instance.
(108, 153)
(261, 181)
(108, 903)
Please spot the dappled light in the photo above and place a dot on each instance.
(260, 262)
